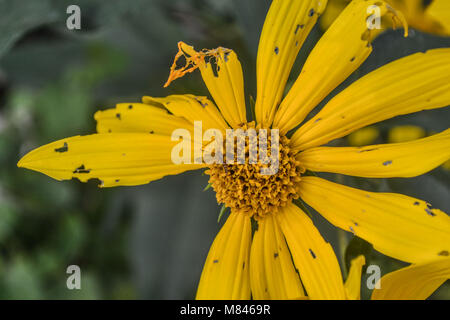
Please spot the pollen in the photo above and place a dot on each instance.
(244, 189)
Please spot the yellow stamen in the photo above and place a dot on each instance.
(243, 188)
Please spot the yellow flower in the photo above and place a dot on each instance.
(415, 282)
(363, 136)
(446, 165)
(433, 18)
(133, 146)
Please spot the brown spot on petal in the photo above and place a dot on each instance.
(429, 212)
(81, 169)
(64, 148)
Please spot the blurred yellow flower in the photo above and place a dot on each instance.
(405, 133)
(446, 165)
(363, 136)
(433, 18)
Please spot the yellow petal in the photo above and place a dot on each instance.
(313, 256)
(286, 27)
(222, 73)
(340, 51)
(416, 282)
(192, 108)
(406, 159)
(353, 282)
(116, 159)
(139, 117)
(417, 82)
(399, 226)
(272, 272)
(405, 133)
(226, 271)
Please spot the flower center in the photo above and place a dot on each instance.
(243, 186)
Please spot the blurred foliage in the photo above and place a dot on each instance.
(148, 241)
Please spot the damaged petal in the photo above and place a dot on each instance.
(193, 60)
(64, 148)
(81, 169)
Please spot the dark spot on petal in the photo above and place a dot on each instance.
(352, 59)
(367, 150)
(81, 169)
(297, 28)
(118, 116)
(117, 180)
(317, 120)
(277, 50)
(215, 261)
(225, 56)
(214, 66)
(443, 253)
(275, 255)
(429, 212)
(64, 148)
(416, 203)
(386, 163)
(312, 253)
(152, 132)
(243, 265)
(130, 106)
(203, 104)
(311, 12)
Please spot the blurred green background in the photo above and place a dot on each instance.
(146, 242)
